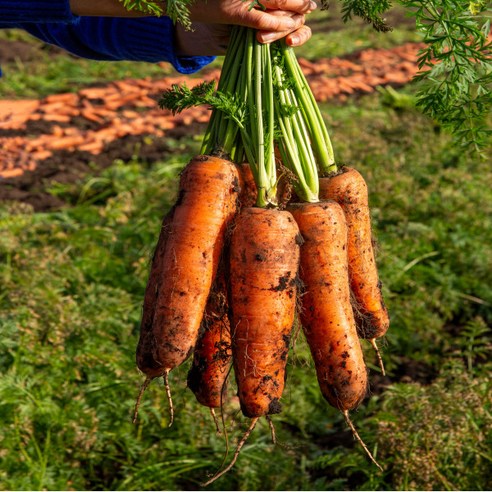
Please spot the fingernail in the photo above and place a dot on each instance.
(313, 5)
(294, 40)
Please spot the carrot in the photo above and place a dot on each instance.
(326, 313)
(264, 260)
(249, 191)
(263, 284)
(212, 356)
(66, 98)
(206, 204)
(88, 114)
(61, 118)
(145, 361)
(11, 173)
(349, 189)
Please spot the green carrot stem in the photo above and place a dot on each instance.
(307, 159)
(269, 115)
(258, 129)
(290, 153)
(237, 152)
(221, 132)
(320, 138)
(294, 143)
(227, 128)
(248, 73)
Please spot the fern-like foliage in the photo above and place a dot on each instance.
(371, 11)
(455, 66)
(180, 97)
(177, 10)
(145, 6)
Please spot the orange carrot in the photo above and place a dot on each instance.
(349, 189)
(249, 191)
(206, 204)
(263, 283)
(66, 142)
(212, 356)
(145, 360)
(326, 313)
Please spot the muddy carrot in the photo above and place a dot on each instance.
(326, 312)
(154, 284)
(206, 204)
(263, 281)
(212, 356)
(249, 191)
(349, 189)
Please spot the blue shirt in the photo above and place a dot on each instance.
(149, 39)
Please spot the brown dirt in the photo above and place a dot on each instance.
(63, 137)
(16, 50)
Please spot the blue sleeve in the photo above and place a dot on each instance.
(148, 39)
(15, 11)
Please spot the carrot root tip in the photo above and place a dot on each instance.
(359, 439)
(216, 421)
(378, 355)
(236, 454)
(165, 377)
(272, 429)
(143, 387)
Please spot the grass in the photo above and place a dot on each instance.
(71, 288)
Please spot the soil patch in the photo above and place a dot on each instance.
(67, 167)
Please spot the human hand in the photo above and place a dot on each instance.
(212, 39)
(214, 12)
(275, 16)
(212, 22)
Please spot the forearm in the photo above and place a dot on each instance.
(112, 38)
(40, 11)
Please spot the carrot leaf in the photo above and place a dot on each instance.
(177, 10)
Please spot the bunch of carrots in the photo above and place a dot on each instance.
(265, 228)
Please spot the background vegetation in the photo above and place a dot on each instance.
(71, 287)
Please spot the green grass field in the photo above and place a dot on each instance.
(71, 289)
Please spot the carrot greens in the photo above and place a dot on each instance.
(263, 102)
(177, 10)
(242, 122)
